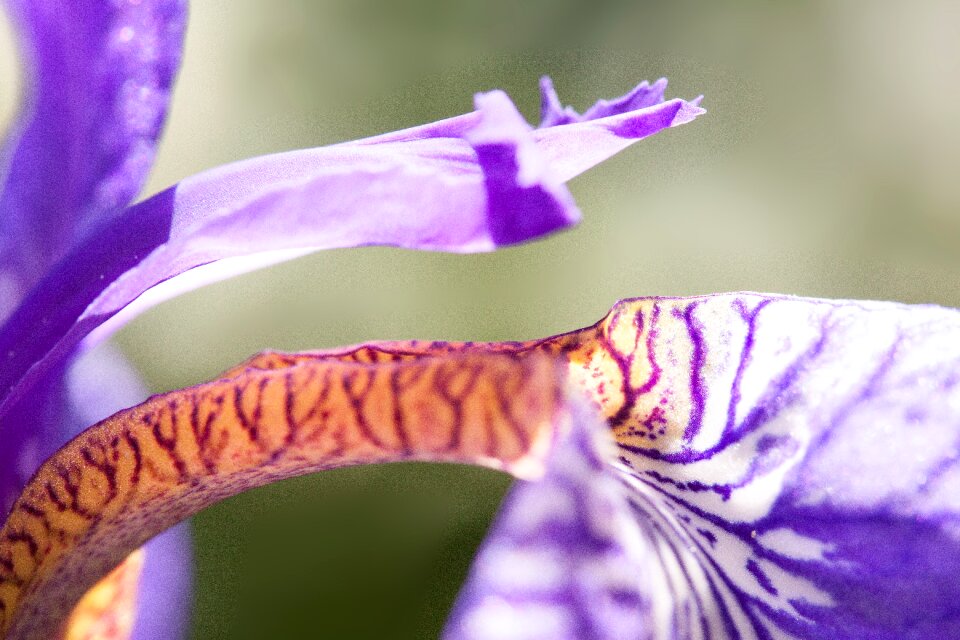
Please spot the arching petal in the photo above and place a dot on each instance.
(96, 385)
(495, 185)
(98, 81)
(143, 469)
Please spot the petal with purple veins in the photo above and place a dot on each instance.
(813, 489)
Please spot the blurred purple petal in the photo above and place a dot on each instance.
(566, 558)
(491, 187)
(553, 113)
(166, 587)
(816, 489)
(98, 76)
(94, 386)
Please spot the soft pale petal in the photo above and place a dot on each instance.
(98, 80)
(166, 587)
(499, 183)
(567, 559)
(573, 148)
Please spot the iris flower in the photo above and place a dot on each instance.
(730, 466)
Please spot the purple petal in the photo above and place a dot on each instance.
(815, 487)
(99, 76)
(497, 184)
(553, 113)
(566, 559)
(573, 148)
(166, 587)
(70, 399)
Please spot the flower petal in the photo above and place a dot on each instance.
(96, 385)
(553, 113)
(166, 586)
(801, 458)
(573, 148)
(99, 76)
(495, 185)
(566, 559)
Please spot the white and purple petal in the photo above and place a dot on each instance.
(567, 560)
(813, 493)
(811, 488)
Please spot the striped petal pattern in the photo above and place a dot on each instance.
(731, 466)
(790, 466)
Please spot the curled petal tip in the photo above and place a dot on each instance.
(554, 113)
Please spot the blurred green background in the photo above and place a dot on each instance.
(826, 166)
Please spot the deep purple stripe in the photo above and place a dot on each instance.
(697, 390)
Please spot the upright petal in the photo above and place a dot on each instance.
(495, 185)
(566, 559)
(98, 80)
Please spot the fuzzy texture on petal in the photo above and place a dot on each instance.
(98, 81)
(497, 184)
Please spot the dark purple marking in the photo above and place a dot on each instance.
(762, 579)
(750, 317)
(697, 390)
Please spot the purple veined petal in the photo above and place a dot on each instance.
(566, 559)
(98, 81)
(494, 186)
(814, 491)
